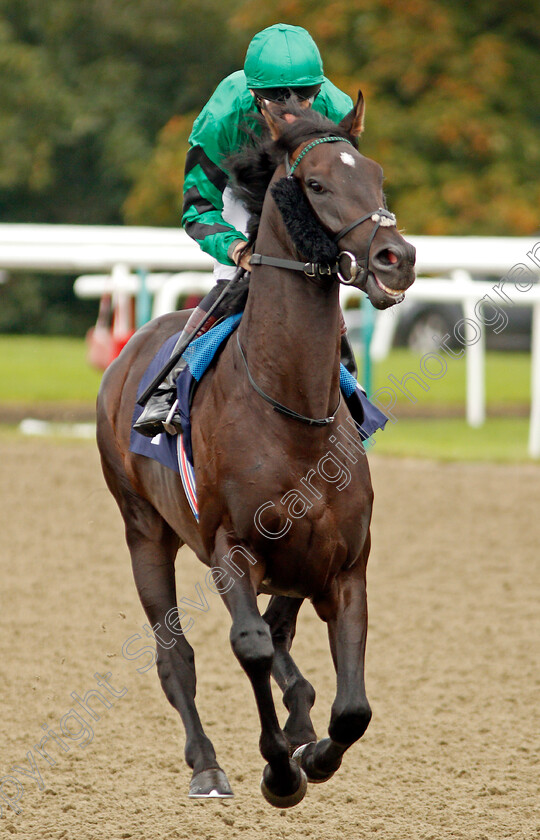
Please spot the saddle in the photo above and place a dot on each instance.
(200, 354)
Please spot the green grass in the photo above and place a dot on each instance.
(46, 369)
(507, 379)
(500, 439)
(36, 368)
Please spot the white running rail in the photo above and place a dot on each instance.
(120, 251)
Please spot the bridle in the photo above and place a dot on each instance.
(358, 268)
(381, 218)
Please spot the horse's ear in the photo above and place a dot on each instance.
(353, 123)
(277, 122)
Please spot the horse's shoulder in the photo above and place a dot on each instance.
(165, 325)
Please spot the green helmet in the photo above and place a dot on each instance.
(283, 56)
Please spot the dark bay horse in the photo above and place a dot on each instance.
(285, 504)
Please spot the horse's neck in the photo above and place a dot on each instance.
(290, 333)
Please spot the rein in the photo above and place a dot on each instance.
(282, 409)
(359, 268)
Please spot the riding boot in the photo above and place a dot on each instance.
(347, 355)
(160, 412)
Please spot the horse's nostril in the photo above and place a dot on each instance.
(387, 257)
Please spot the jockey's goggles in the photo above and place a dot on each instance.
(281, 94)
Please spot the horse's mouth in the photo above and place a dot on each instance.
(380, 295)
(399, 294)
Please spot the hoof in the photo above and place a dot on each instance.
(291, 799)
(210, 784)
(300, 755)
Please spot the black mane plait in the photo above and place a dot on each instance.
(252, 170)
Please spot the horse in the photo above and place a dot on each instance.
(265, 424)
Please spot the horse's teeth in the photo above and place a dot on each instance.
(392, 292)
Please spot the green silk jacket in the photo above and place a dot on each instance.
(217, 133)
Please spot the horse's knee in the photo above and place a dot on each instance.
(300, 690)
(349, 724)
(252, 645)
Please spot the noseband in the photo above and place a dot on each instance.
(358, 268)
(382, 218)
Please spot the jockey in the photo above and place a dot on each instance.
(281, 61)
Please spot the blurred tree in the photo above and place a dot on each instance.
(98, 97)
(156, 197)
(453, 101)
(44, 304)
(86, 87)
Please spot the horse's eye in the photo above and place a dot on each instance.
(315, 187)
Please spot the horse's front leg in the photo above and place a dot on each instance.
(345, 611)
(283, 783)
(298, 693)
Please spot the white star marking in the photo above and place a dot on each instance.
(347, 159)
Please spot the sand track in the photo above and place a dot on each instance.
(452, 667)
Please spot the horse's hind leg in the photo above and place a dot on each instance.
(298, 693)
(153, 546)
(346, 613)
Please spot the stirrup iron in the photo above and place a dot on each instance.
(167, 423)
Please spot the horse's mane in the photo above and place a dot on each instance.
(253, 167)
